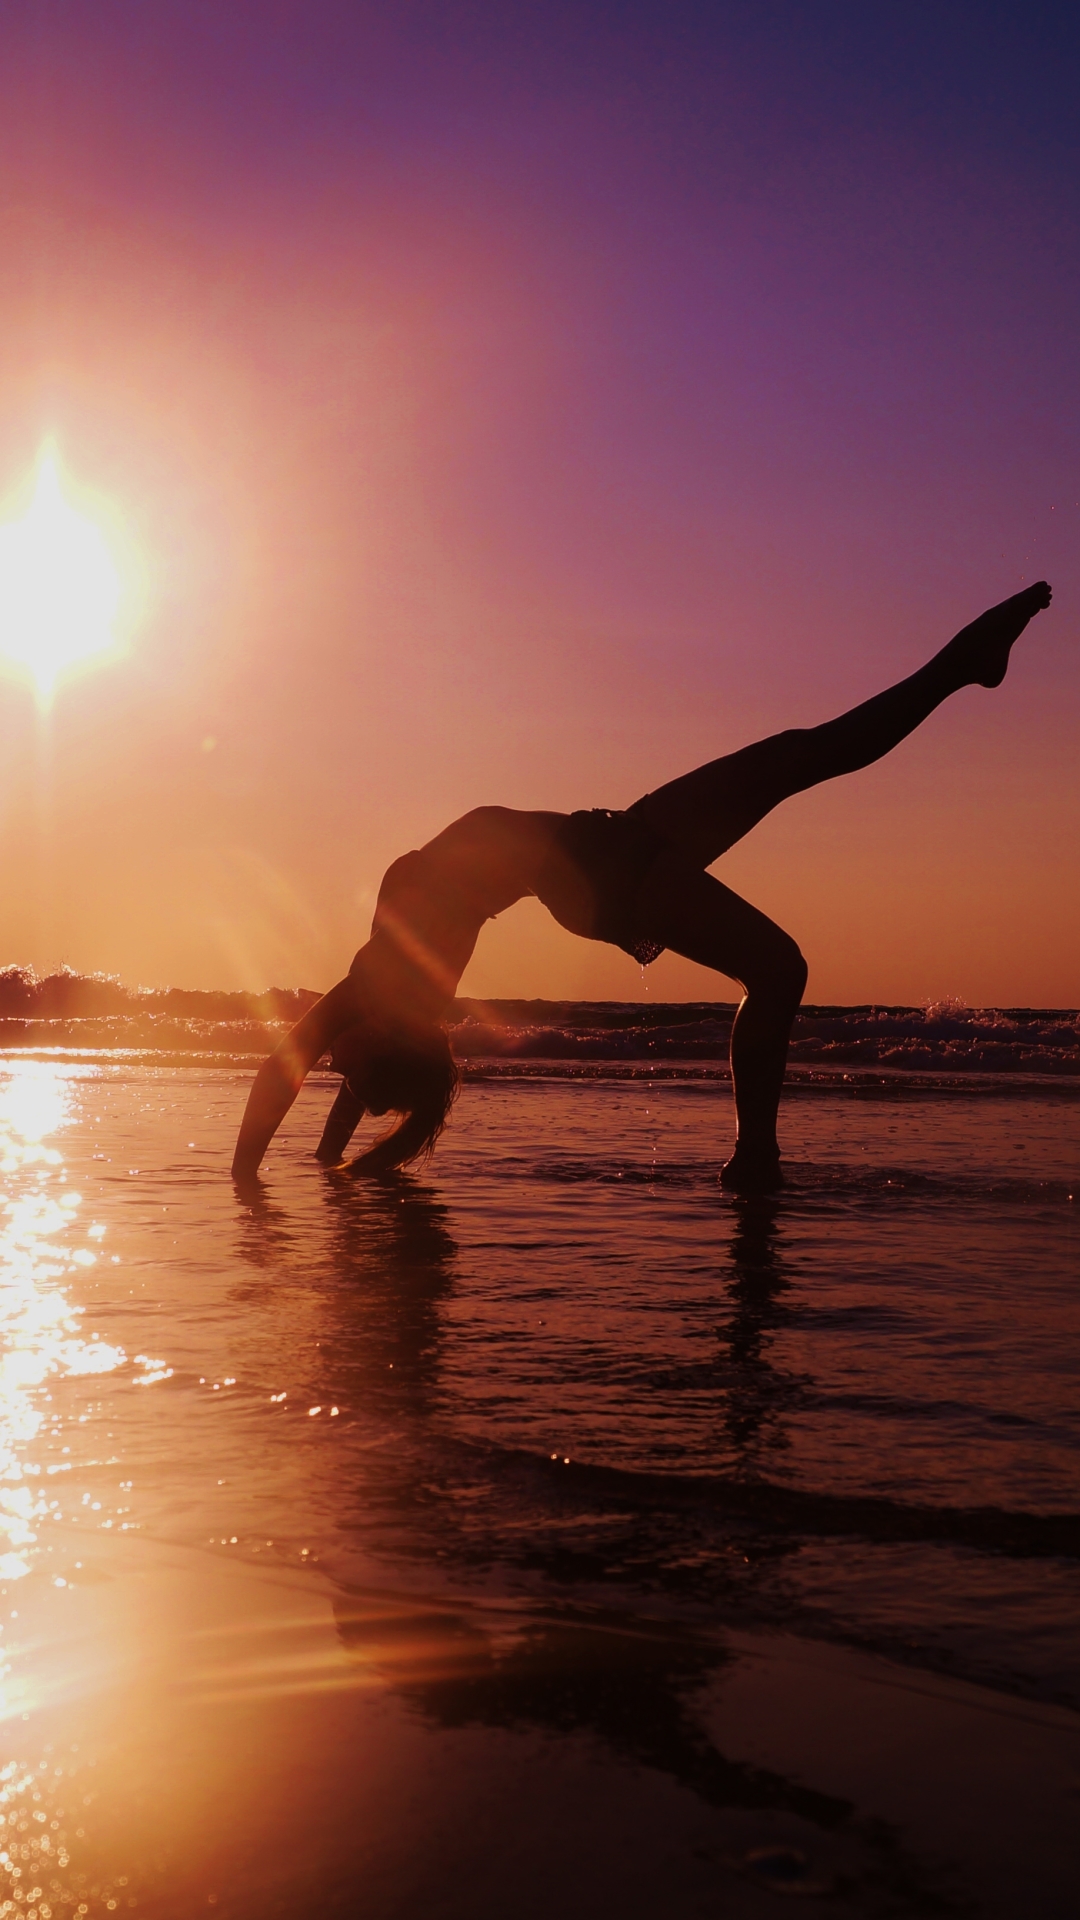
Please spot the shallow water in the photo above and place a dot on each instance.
(561, 1362)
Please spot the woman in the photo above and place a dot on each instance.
(636, 879)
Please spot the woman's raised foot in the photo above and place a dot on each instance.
(983, 649)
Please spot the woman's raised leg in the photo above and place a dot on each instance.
(703, 813)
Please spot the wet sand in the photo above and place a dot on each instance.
(202, 1736)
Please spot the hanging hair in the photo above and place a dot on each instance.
(420, 1078)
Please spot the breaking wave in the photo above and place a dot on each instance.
(71, 1011)
(942, 1038)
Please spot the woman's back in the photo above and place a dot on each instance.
(433, 902)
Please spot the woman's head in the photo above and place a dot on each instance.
(411, 1073)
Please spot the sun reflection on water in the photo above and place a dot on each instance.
(40, 1330)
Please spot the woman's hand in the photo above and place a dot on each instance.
(281, 1077)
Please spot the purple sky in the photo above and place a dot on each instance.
(523, 404)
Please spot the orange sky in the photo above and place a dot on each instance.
(530, 437)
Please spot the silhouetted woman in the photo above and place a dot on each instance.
(636, 879)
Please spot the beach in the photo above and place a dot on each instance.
(544, 1530)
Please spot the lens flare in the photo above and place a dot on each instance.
(60, 586)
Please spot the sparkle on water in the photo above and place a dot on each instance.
(39, 1327)
(60, 586)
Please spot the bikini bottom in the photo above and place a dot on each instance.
(613, 853)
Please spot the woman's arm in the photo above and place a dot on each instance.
(341, 1123)
(281, 1077)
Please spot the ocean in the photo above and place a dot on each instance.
(736, 1538)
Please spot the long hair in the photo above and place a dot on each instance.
(419, 1078)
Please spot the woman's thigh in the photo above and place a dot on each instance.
(701, 919)
(704, 813)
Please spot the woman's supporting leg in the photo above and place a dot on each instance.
(699, 918)
(705, 812)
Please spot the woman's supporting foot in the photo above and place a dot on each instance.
(749, 1172)
(982, 650)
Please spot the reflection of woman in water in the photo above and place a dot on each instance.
(636, 879)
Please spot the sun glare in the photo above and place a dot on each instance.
(60, 586)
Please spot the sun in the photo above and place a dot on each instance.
(60, 586)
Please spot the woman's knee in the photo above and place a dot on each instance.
(780, 974)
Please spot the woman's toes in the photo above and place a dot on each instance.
(1030, 600)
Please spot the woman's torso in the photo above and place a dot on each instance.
(433, 902)
(585, 867)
